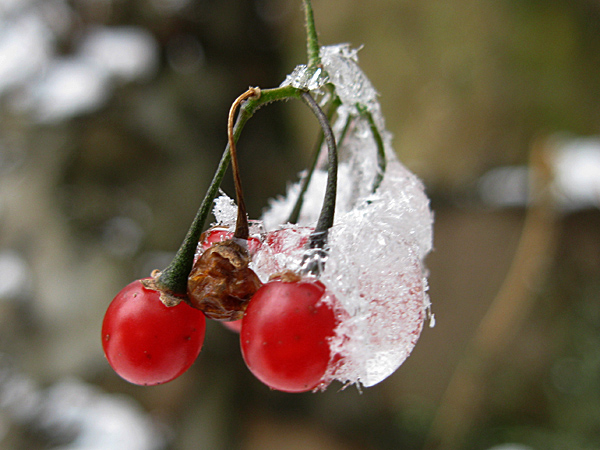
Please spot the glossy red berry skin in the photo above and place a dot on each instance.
(285, 335)
(147, 343)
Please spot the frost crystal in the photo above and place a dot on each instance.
(225, 210)
(305, 78)
(351, 84)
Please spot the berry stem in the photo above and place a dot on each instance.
(312, 40)
(318, 238)
(172, 281)
(241, 224)
(295, 214)
(345, 129)
(381, 158)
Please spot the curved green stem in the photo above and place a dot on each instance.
(381, 158)
(173, 279)
(318, 238)
(295, 214)
(345, 129)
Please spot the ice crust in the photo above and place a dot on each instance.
(306, 78)
(374, 270)
(351, 84)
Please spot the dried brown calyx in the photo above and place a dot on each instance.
(221, 284)
(287, 276)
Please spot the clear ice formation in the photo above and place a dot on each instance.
(374, 268)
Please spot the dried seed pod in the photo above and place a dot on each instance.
(221, 283)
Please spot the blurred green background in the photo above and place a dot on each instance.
(112, 121)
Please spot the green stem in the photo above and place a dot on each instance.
(295, 214)
(318, 238)
(173, 279)
(381, 159)
(345, 129)
(312, 40)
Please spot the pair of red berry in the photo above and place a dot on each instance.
(284, 332)
(286, 323)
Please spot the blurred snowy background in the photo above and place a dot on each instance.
(112, 120)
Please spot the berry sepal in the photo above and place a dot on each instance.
(168, 297)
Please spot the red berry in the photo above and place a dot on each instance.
(285, 335)
(146, 342)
